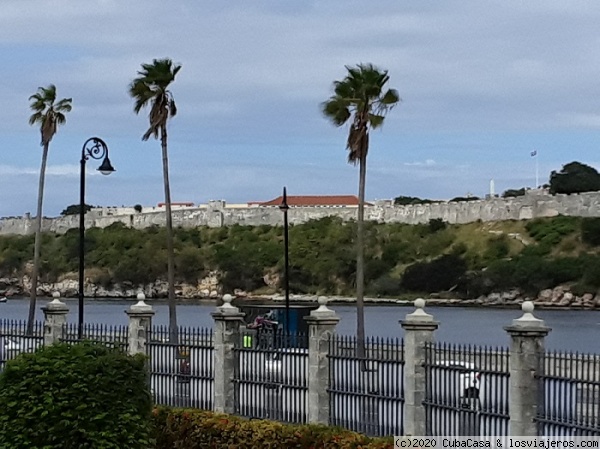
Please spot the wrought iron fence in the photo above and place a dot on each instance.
(271, 375)
(569, 400)
(182, 372)
(114, 336)
(366, 394)
(466, 390)
(15, 340)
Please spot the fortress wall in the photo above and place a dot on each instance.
(216, 214)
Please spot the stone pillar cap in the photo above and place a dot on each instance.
(323, 311)
(419, 314)
(56, 304)
(528, 320)
(141, 306)
(227, 308)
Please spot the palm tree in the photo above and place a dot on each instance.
(152, 87)
(360, 98)
(48, 113)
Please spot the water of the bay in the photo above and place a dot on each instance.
(572, 330)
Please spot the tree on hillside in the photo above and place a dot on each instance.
(360, 99)
(575, 177)
(48, 114)
(152, 87)
(73, 209)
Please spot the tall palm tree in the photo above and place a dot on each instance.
(360, 99)
(151, 87)
(48, 114)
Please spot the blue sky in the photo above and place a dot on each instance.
(483, 83)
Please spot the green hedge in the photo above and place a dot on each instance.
(79, 396)
(180, 428)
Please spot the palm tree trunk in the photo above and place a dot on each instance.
(37, 244)
(360, 259)
(173, 331)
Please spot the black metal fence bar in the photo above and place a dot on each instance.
(182, 373)
(271, 376)
(569, 400)
(15, 340)
(466, 390)
(366, 394)
(109, 335)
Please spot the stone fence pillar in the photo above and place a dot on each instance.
(321, 326)
(228, 320)
(140, 324)
(527, 336)
(55, 317)
(419, 328)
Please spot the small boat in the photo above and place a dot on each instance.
(3, 299)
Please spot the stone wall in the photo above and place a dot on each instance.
(534, 204)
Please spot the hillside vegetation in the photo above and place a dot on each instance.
(470, 260)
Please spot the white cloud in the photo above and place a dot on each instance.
(479, 81)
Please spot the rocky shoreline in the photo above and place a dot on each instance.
(560, 297)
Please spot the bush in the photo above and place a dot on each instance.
(551, 231)
(435, 276)
(590, 231)
(196, 428)
(512, 193)
(74, 397)
(574, 177)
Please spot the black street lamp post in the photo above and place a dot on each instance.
(94, 148)
(284, 207)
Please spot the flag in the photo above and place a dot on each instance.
(534, 153)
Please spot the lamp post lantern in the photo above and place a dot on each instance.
(94, 148)
(284, 207)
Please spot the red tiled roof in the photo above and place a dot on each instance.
(315, 200)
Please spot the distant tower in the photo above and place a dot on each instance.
(492, 192)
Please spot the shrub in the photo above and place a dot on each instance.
(74, 397)
(590, 231)
(436, 224)
(438, 275)
(550, 232)
(196, 428)
(497, 248)
(512, 193)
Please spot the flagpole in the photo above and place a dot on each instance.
(537, 181)
(537, 173)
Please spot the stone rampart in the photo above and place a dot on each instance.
(534, 204)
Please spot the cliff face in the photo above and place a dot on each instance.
(535, 204)
(68, 287)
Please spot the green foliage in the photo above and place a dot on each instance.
(195, 428)
(550, 232)
(590, 231)
(438, 275)
(74, 397)
(464, 198)
(529, 272)
(498, 248)
(436, 224)
(512, 193)
(74, 209)
(322, 254)
(409, 200)
(574, 177)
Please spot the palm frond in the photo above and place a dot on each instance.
(336, 110)
(391, 97)
(47, 112)
(35, 118)
(64, 105)
(376, 120)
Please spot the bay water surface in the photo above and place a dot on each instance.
(572, 330)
